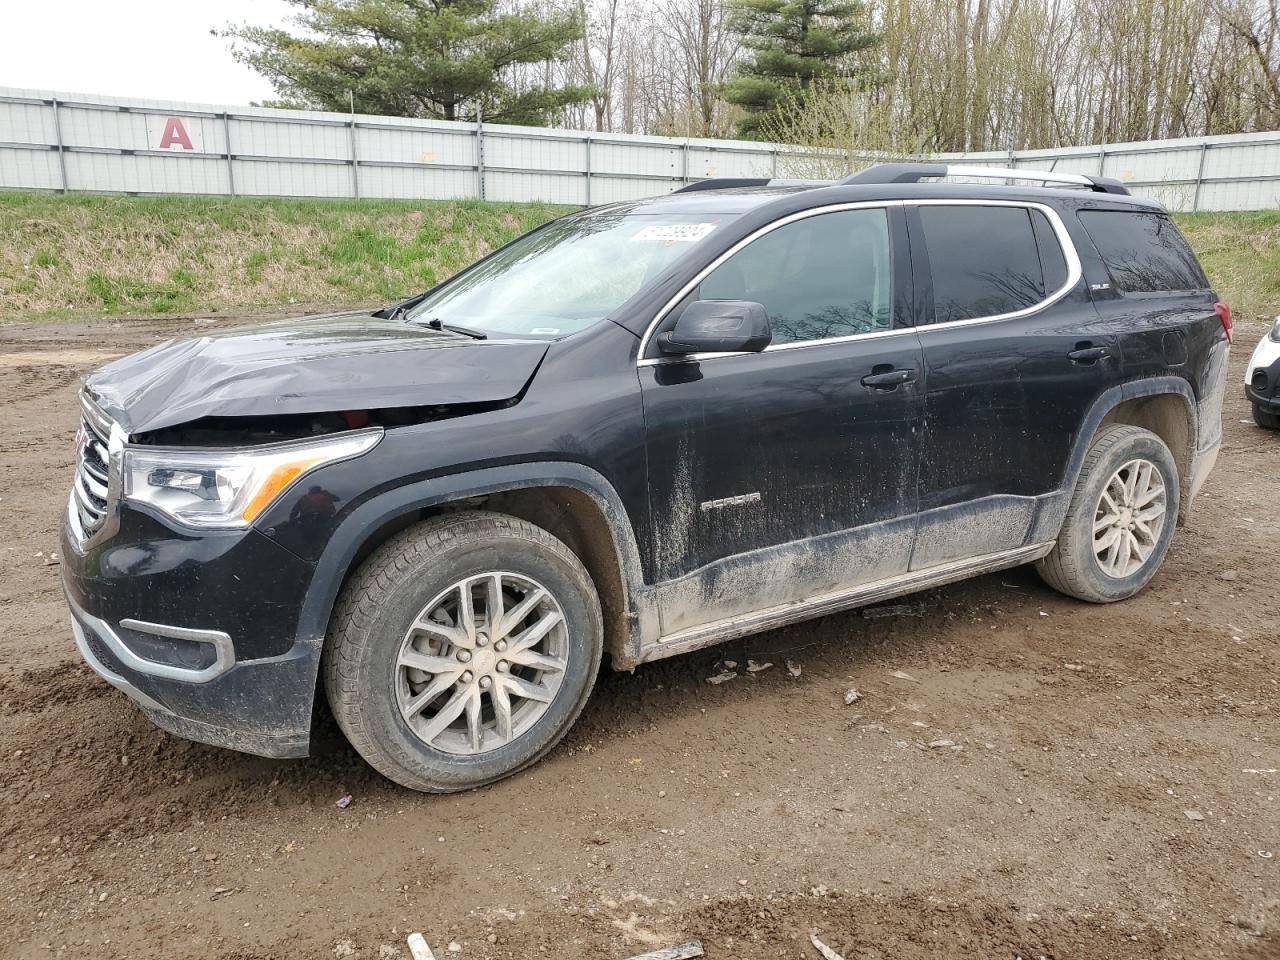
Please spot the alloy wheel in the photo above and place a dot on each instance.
(481, 663)
(1129, 519)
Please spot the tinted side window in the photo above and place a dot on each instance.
(1144, 252)
(1051, 258)
(984, 261)
(828, 275)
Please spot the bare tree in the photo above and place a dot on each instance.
(946, 75)
(702, 48)
(1256, 25)
(597, 55)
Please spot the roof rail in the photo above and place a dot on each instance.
(722, 183)
(914, 172)
(728, 183)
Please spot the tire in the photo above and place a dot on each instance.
(1263, 418)
(1076, 566)
(377, 670)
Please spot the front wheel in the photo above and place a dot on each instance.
(462, 650)
(1121, 518)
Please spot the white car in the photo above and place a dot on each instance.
(1262, 379)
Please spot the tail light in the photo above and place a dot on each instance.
(1228, 325)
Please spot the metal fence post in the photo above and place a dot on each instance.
(587, 142)
(773, 151)
(62, 156)
(1102, 158)
(226, 136)
(479, 153)
(355, 160)
(1195, 197)
(684, 162)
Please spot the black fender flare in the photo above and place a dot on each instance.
(1054, 510)
(335, 563)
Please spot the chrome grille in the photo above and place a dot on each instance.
(90, 489)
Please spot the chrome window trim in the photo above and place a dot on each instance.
(1074, 272)
(751, 238)
(1074, 269)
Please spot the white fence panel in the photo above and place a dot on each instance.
(113, 173)
(407, 145)
(415, 182)
(55, 141)
(709, 161)
(661, 161)
(278, 178)
(507, 151)
(1248, 195)
(29, 170)
(517, 187)
(27, 123)
(306, 141)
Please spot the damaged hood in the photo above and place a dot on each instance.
(350, 361)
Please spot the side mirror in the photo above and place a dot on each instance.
(718, 326)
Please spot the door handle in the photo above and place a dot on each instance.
(887, 379)
(1088, 355)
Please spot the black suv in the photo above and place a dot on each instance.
(638, 430)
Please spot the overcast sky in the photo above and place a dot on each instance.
(161, 49)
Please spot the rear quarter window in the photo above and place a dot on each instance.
(1144, 252)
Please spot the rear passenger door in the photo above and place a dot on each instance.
(1015, 355)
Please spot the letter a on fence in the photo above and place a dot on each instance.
(174, 135)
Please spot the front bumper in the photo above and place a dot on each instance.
(1262, 376)
(201, 632)
(1269, 403)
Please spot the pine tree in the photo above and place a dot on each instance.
(448, 59)
(790, 44)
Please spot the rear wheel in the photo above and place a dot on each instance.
(462, 650)
(1120, 520)
(1265, 418)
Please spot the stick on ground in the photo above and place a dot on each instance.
(682, 952)
(419, 947)
(823, 949)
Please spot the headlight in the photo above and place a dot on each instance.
(1275, 331)
(229, 488)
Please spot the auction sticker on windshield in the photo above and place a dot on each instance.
(675, 232)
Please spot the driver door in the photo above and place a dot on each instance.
(781, 476)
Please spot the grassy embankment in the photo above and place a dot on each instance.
(83, 255)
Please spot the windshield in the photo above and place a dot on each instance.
(566, 276)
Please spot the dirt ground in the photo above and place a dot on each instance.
(1024, 776)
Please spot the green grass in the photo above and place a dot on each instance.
(1241, 254)
(85, 255)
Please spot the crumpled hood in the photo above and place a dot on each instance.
(349, 361)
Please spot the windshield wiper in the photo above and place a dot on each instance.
(435, 323)
(398, 311)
